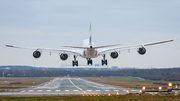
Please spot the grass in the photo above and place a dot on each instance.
(127, 81)
(25, 82)
(95, 98)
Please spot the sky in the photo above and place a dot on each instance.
(53, 23)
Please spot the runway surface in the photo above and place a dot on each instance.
(70, 86)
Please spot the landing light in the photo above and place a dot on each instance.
(117, 93)
(170, 84)
(109, 94)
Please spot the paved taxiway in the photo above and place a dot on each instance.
(70, 86)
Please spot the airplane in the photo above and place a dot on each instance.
(89, 50)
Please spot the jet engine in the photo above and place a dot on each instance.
(36, 54)
(63, 56)
(142, 50)
(114, 55)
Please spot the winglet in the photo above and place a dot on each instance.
(175, 37)
(3, 42)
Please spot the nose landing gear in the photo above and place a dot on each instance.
(89, 61)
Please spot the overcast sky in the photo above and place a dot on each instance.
(52, 23)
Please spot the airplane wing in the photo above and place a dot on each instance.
(71, 52)
(105, 51)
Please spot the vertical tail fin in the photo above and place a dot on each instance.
(90, 40)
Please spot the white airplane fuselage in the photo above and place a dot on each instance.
(89, 51)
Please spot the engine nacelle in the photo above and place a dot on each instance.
(36, 54)
(63, 56)
(114, 55)
(142, 50)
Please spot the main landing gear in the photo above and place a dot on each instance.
(75, 62)
(89, 61)
(104, 61)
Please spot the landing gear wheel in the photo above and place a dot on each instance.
(75, 63)
(89, 61)
(104, 62)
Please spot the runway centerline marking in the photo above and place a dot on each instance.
(81, 91)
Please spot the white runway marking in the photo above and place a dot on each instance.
(116, 90)
(106, 90)
(89, 90)
(39, 90)
(57, 90)
(48, 90)
(76, 90)
(98, 90)
(66, 90)
(22, 91)
(31, 90)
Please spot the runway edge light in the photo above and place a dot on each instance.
(127, 91)
(160, 88)
(176, 87)
(143, 89)
(170, 86)
(140, 92)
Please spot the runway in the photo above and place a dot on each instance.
(70, 86)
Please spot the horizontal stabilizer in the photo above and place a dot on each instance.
(74, 47)
(93, 47)
(108, 46)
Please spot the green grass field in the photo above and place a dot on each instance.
(127, 81)
(132, 79)
(95, 98)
